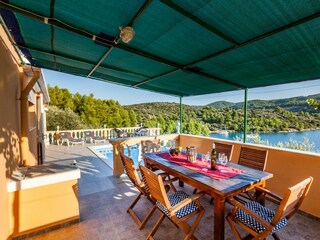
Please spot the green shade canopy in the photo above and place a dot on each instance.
(181, 48)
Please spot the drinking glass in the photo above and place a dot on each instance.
(209, 160)
(204, 160)
(218, 158)
(221, 156)
(223, 161)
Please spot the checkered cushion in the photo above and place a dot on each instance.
(174, 199)
(263, 212)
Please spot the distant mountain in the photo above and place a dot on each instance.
(294, 104)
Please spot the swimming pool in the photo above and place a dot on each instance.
(105, 153)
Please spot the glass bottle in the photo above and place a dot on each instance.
(213, 157)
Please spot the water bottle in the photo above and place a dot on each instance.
(213, 157)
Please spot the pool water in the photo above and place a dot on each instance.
(108, 152)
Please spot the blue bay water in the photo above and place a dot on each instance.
(274, 138)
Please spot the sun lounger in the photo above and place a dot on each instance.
(120, 133)
(141, 132)
(66, 137)
(89, 136)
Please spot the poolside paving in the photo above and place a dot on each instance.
(104, 200)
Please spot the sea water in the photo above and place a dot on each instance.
(274, 138)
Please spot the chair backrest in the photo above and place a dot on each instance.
(155, 186)
(66, 135)
(88, 133)
(142, 130)
(131, 171)
(63, 134)
(253, 158)
(224, 148)
(292, 200)
(119, 132)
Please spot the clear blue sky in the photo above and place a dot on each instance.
(126, 95)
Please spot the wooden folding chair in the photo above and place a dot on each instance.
(133, 175)
(177, 207)
(260, 221)
(136, 181)
(227, 149)
(252, 158)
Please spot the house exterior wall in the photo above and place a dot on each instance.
(9, 126)
(13, 79)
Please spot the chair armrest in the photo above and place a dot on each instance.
(242, 207)
(185, 202)
(268, 192)
(162, 173)
(166, 182)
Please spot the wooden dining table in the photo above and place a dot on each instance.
(220, 190)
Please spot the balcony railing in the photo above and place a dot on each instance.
(107, 133)
(288, 166)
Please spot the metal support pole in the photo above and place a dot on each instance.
(180, 115)
(245, 122)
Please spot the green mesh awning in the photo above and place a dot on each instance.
(181, 48)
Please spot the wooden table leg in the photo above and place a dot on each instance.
(219, 221)
(181, 184)
(259, 195)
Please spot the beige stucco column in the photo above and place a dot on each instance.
(118, 146)
(25, 116)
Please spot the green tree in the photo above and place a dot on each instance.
(162, 123)
(117, 120)
(314, 103)
(61, 97)
(205, 130)
(93, 112)
(133, 118)
(171, 127)
(278, 109)
(66, 119)
(235, 127)
(125, 118)
(190, 127)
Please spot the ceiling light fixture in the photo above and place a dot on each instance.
(126, 34)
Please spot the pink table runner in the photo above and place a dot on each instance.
(222, 172)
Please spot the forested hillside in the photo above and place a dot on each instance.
(266, 120)
(294, 104)
(76, 111)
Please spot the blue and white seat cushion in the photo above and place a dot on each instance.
(263, 212)
(176, 198)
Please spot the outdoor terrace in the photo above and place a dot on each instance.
(104, 200)
(180, 49)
